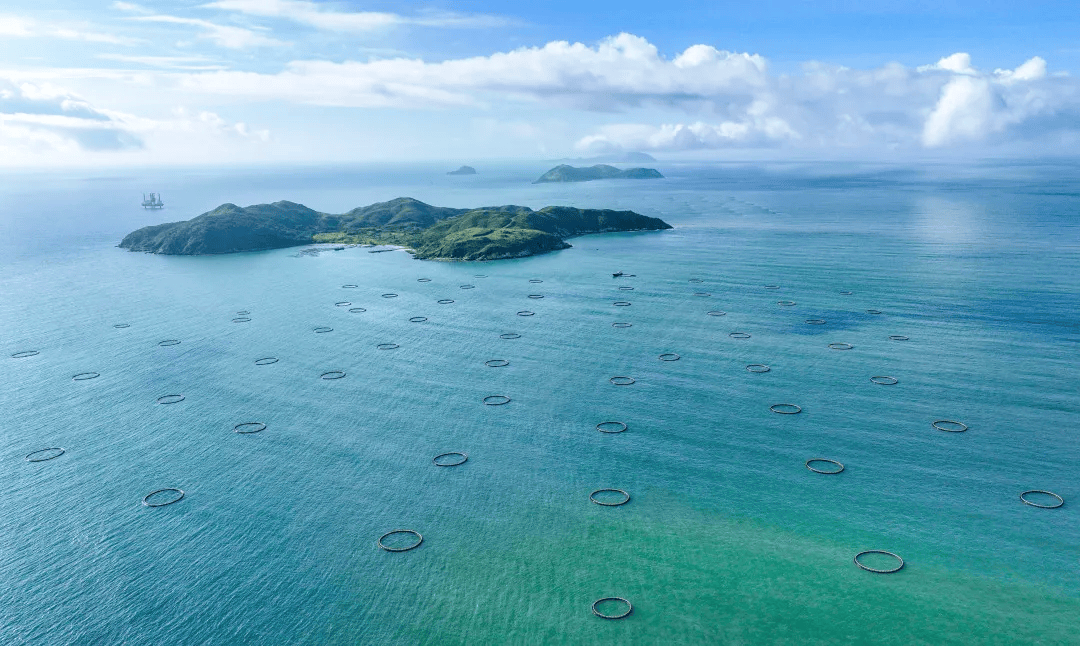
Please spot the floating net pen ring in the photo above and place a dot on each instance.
(446, 301)
(535, 280)
(423, 280)
(357, 310)
(622, 325)
(84, 376)
(342, 304)
(348, 286)
(695, 280)
(536, 296)
(467, 286)
(121, 326)
(702, 294)
(626, 288)
(629, 608)
(265, 361)
(785, 303)
(626, 498)
(876, 570)
(884, 380)
(243, 313)
(815, 321)
(621, 303)
(170, 399)
(50, 453)
(241, 319)
(840, 346)
(388, 346)
(828, 472)
(496, 400)
(873, 311)
(419, 539)
(739, 335)
(845, 292)
(510, 335)
(389, 295)
(417, 319)
(146, 498)
(464, 458)
(717, 313)
(332, 374)
(496, 363)
(479, 276)
(25, 353)
(772, 287)
(786, 409)
(611, 427)
(622, 380)
(949, 426)
(247, 428)
(322, 330)
(1060, 500)
(168, 342)
(526, 313)
(669, 356)
(758, 368)
(898, 337)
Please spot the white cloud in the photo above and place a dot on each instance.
(958, 63)
(222, 35)
(313, 15)
(130, 7)
(26, 28)
(166, 62)
(46, 115)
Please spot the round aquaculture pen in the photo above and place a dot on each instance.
(44, 455)
(342, 304)
(446, 301)
(456, 458)
(884, 380)
(618, 615)
(526, 313)
(815, 321)
(898, 337)
(949, 426)
(510, 335)
(265, 361)
(621, 303)
(388, 346)
(332, 374)
(622, 381)
(247, 428)
(496, 363)
(622, 325)
(739, 335)
(417, 319)
(669, 356)
(170, 399)
(611, 427)
(121, 326)
(536, 296)
(168, 342)
(496, 400)
(786, 409)
(241, 319)
(717, 313)
(899, 562)
(825, 466)
(389, 295)
(86, 376)
(785, 303)
(176, 496)
(1058, 500)
(840, 346)
(401, 532)
(356, 310)
(758, 368)
(322, 330)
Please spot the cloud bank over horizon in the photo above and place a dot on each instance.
(619, 94)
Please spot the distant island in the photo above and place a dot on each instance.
(564, 173)
(464, 170)
(430, 232)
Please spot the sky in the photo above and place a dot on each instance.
(104, 82)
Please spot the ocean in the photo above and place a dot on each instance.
(727, 536)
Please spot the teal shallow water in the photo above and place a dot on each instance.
(727, 537)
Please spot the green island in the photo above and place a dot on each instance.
(429, 232)
(567, 173)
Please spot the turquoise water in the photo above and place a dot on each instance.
(727, 538)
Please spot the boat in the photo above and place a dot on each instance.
(618, 274)
(153, 203)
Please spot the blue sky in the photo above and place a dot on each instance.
(298, 80)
